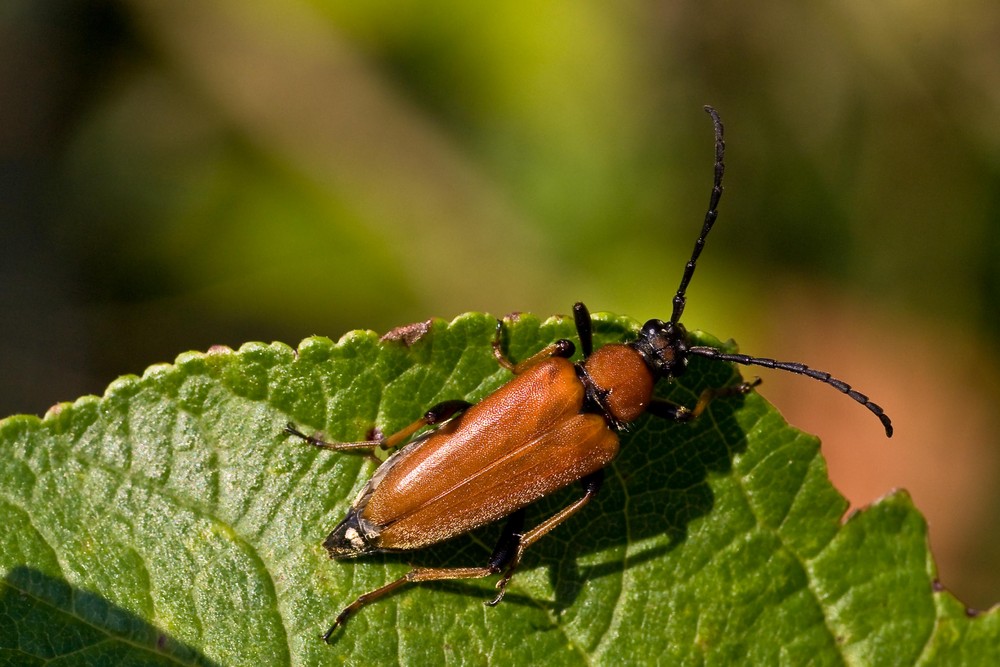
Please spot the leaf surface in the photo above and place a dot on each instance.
(172, 522)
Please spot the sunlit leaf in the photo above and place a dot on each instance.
(172, 522)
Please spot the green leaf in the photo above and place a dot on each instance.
(172, 522)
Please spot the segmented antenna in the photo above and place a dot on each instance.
(799, 369)
(713, 203)
(680, 299)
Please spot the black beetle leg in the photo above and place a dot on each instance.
(584, 328)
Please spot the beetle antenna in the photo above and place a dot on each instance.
(799, 369)
(713, 203)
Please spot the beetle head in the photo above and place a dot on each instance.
(664, 347)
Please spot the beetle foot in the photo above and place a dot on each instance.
(337, 623)
(502, 585)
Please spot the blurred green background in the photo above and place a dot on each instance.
(175, 175)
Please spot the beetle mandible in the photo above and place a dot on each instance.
(556, 422)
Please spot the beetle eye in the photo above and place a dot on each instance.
(652, 329)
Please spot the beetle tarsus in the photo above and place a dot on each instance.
(292, 430)
(501, 589)
(507, 553)
(333, 628)
(341, 620)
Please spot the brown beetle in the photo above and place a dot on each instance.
(556, 422)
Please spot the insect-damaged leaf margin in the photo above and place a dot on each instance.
(171, 522)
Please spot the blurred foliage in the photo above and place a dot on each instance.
(177, 175)
(197, 166)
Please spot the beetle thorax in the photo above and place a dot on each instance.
(622, 381)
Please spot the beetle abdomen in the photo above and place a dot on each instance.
(578, 446)
(519, 444)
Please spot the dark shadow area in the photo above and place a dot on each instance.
(656, 487)
(43, 619)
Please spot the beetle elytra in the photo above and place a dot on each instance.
(555, 423)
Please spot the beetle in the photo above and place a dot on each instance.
(555, 423)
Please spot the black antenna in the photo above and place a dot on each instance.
(680, 298)
(799, 369)
(713, 204)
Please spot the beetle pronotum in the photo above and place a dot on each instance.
(556, 422)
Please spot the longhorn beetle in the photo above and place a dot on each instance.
(556, 422)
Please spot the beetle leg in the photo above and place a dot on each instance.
(591, 485)
(507, 545)
(437, 414)
(584, 328)
(413, 576)
(292, 430)
(679, 413)
(560, 348)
